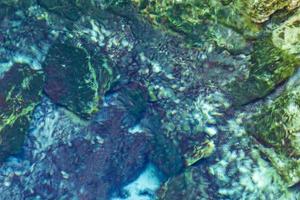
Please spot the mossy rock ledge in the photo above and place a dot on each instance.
(21, 89)
(277, 127)
(270, 66)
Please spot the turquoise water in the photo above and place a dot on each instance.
(100, 102)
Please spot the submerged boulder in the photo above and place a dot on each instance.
(270, 66)
(241, 15)
(75, 80)
(261, 10)
(277, 126)
(20, 92)
(287, 35)
(70, 9)
(235, 26)
(274, 59)
(16, 3)
(199, 21)
(165, 154)
(190, 185)
(96, 169)
(8, 7)
(229, 24)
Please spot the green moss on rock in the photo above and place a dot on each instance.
(199, 152)
(75, 80)
(20, 92)
(261, 10)
(227, 23)
(270, 67)
(287, 167)
(287, 35)
(189, 185)
(218, 21)
(277, 126)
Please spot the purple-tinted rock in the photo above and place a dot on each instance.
(98, 168)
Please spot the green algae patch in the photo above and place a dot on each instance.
(75, 80)
(287, 35)
(227, 23)
(199, 21)
(199, 152)
(189, 185)
(20, 92)
(261, 10)
(270, 66)
(287, 167)
(277, 127)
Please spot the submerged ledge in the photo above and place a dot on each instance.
(140, 100)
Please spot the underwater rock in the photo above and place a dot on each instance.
(20, 92)
(277, 126)
(227, 23)
(165, 154)
(4, 11)
(163, 106)
(73, 160)
(8, 7)
(104, 166)
(270, 67)
(287, 167)
(17, 3)
(199, 21)
(231, 25)
(8, 2)
(261, 10)
(190, 185)
(70, 9)
(73, 80)
(286, 36)
(198, 152)
(134, 97)
(118, 154)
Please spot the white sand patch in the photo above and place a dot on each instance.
(144, 187)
